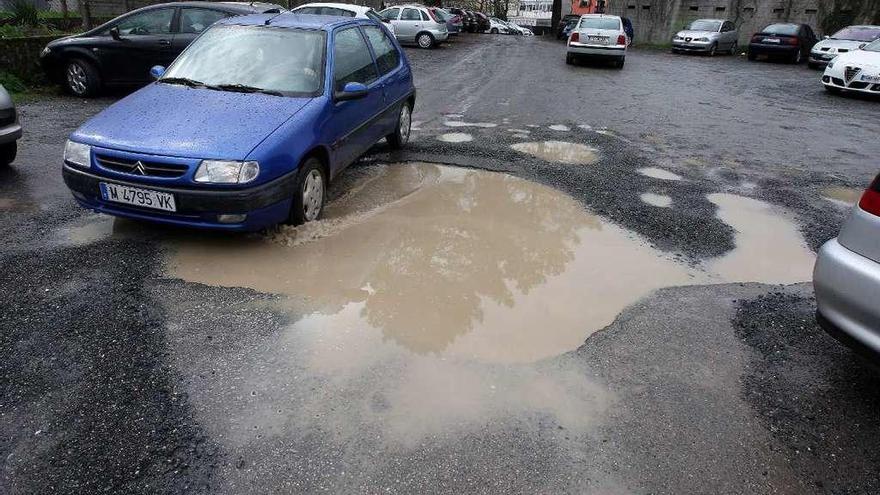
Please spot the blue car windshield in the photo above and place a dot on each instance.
(264, 58)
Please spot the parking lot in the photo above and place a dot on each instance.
(573, 279)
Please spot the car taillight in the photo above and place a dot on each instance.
(757, 38)
(870, 201)
(791, 41)
(574, 37)
(621, 40)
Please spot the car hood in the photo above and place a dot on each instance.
(173, 120)
(861, 58)
(835, 45)
(697, 34)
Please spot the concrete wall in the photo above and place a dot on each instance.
(655, 21)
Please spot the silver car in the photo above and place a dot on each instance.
(708, 36)
(10, 129)
(846, 278)
(846, 40)
(416, 24)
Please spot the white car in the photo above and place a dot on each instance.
(846, 40)
(598, 36)
(497, 26)
(417, 24)
(857, 71)
(343, 10)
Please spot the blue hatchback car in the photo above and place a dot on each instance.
(248, 126)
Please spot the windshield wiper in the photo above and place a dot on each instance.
(192, 83)
(242, 88)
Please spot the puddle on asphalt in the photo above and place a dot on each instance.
(842, 196)
(455, 123)
(560, 127)
(658, 173)
(559, 151)
(658, 200)
(769, 246)
(519, 131)
(455, 137)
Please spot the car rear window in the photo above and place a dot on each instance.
(786, 29)
(599, 23)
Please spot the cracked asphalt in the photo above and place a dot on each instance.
(119, 377)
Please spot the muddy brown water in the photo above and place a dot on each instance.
(559, 151)
(844, 196)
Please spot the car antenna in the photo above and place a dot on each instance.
(271, 19)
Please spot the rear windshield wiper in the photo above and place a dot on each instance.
(242, 88)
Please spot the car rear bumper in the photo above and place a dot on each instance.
(780, 50)
(847, 287)
(264, 205)
(612, 51)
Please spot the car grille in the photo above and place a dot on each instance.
(7, 116)
(140, 167)
(851, 72)
(858, 85)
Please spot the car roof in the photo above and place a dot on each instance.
(237, 6)
(345, 6)
(294, 20)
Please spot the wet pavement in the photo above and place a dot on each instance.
(530, 297)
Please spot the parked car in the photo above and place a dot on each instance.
(598, 36)
(566, 19)
(846, 278)
(248, 126)
(846, 40)
(343, 10)
(122, 51)
(10, 129)
(514, 29)
(857, 71)
(791, 42)
(417, 24)
(453, 21)
(497, 26)
(569, 27)
(483, 24)
(468, 22)
(707, 36)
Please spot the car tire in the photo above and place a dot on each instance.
(494, 31)
(797, 58)
(734, 48)
(309, 193)
(81, 78)
(619, 63)
(752, 56)
(400, 136)
(425, 40)
(7, 153)
(812, 65)
(713, 49)
(569, 59)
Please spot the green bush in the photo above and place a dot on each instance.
(12, 83)
(24, 13)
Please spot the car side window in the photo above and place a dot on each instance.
(390, 14)
(155, 21)
(352, 59)
(197, 20)
(411, 15)
(424, 16)
(387, 57)
(306, 11)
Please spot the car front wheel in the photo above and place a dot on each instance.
(7, 153)
(400, 136)
(734, 48)
(425, 40)
(82, 78)
(308, 200)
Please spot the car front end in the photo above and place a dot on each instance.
(10, 128)
(825, 50)
(855, 71)
(694, 41)
(846, 278)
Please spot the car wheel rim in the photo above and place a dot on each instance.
(76, 78)
(313, 195)
(405, 121)
(424, 41)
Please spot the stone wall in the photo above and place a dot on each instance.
(655, 21)
(21, 56)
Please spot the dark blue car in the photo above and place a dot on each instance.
(248, 126)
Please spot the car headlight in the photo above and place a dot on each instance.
(226, 172)
(46, 51)
(78, 154)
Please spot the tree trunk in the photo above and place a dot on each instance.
(555, 16)
(64, 10)
(85, 11)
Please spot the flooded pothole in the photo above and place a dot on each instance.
(560, 127)
(658, 200)
(658, 173)
(559, 151)
(844, 197)
(455, 137)
(457, 123)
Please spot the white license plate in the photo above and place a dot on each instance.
(868, 78)
(772, 40)
(597, 38)
(136, 196)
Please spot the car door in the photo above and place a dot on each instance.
(410, 24)
(352, 132)
(144, 41)
(191, 22)
(727, 36)
(393, 79)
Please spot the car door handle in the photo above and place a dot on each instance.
(165, 42)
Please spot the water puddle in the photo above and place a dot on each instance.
(560, 127)
(769, 246)
(455, 137)
(454, 123)
(658, 173)
(559, 151)
(842, 196)
(521, 136)
(519, 131)
(658, 200)
(586, 127)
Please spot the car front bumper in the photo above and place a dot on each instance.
(846, 286)
(599, 51)
(820, 59)
(264, 205)
(691, 46)
(10, 133)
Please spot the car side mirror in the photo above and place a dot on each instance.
(826, 37)
(114, 33)
(386, 20)
(157, 71)
(351, 91)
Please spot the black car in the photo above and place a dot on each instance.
(483, 23)
(122, 51)
(791, 42)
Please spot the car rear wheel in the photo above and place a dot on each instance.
(7, 153)
(569, 59)
(400, 136)
(619, 63)
(752, 56)
(425, 40)
(82, 78)
(308, 198)
(797, 58)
